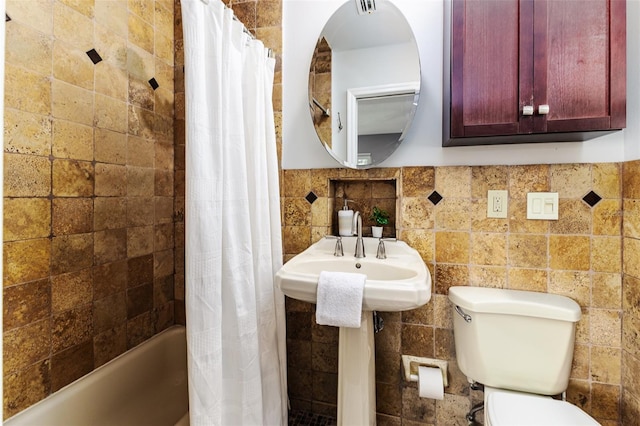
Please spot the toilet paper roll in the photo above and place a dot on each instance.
(430, 383)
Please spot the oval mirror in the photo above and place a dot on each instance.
(364, 82)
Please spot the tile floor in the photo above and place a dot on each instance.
(303, 418)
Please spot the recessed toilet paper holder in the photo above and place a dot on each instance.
(411, 364)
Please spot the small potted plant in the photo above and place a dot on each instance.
(380, 218)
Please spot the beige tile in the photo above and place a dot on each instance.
(605, 401)
(453, 182)
(570, 180)
(26, 345)
(320, 214)
(26, 176)
(112, 15)
(631, 221)
(453, 214)
(37, 14)
(86, 7)
(16, 270)
(518, 222)
(528, 251)
(606, 253)
(72, 27)
(416, 213)
(569, 252)
(528, 279)
(607, 217)
(111, 46)
(488, 249)
(72, 103)
(140, 63)
(71, 253)
(72, 140)
(605, 364)
(73, 178)
(140, 211)
(110, 246)
(26, 90)
(110, 114)
(140, 181)
(72, 216)
(296, 239)
(422, 241)
(488, 276)
(607, 179)
(28, 48)
(111, 81)
(71, 290)
(581, 362)
(140, 152)
(575, 285)
(630, 335)
(524, 179)
(141, 33)
(163, 17)
(111, 180)
(574, 217)
(631, 259)
(631, 179)
(606, 325)
(452, 247)
(26, 218)
(631, 296)
(481, 223)
(26, 133)
(142, 8)
(110, 146)
(164, 102)
(72, 65)
(484, 178)
(606, 291)
(447, 276)
(417, 181)
(140, 122)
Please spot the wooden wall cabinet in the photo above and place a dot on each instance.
(533, 70)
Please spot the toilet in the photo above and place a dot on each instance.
(519, 346)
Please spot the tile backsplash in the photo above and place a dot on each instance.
(579, 256)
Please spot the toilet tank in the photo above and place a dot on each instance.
(512, 339)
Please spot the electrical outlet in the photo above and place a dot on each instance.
(497, 203)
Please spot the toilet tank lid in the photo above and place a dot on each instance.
(515, 302)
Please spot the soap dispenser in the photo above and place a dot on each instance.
(345, 220)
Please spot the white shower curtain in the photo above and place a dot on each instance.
(235, 315)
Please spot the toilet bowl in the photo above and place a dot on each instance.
(508, 408)
(519, 346)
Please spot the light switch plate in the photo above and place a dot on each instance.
(497, 201)
(542, 205)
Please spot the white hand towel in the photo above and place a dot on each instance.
(339, 299)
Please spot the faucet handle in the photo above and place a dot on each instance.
(382, 251)
(338, 251)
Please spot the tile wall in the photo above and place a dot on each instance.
(88, 187)
(631, 294)
(578, 256)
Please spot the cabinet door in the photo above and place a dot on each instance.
(579, 66)
(488, 75)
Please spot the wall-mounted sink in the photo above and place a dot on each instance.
(398, 283)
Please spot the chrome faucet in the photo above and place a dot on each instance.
(357, 226)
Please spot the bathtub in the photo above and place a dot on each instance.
(146, 385)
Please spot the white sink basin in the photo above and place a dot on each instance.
(398, 283)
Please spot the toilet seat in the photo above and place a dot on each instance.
(504, 408)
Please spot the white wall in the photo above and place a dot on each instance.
(303, 21)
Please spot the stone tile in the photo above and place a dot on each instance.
(72, 140)
(141, 33)
(528, 251)
(72, 216)
(488, 276)
(452, 410)
(163, 48)
(163, 210)
(140, 211)
(324, 357)
(453, 181)
(142, 8)
(27, 133)
(111, 80)
(296, 212)
(418, 340)
(324, 387)
(631, 218)
(163, 17)
(388, 367)
(630, 374)
(453, 214)
(112, 44)
(109, 312)
(606, 327)
(141, 94)
(140, 181)
(86, 7)
(447, 276)
(26, 176)
(16, 270)
(71, 364)
(631, 256)
(163, 291)
(139, 241)
(631, 296)
(445, 344)
(296, 239)
(417, 181)
(163, 236)
(26, 218)
(109, 213)
(26, 303)
(37, 14)
(528, 279)
(110, 146)
(452, 247)
(518, 222)
(109, 279)
(484, 178)
(163, 263)
(71, 328)
(606, 365)
(630, 408)
(631, 334)
(631, 179)
(580, 363)
(72, 103)
(72, 65)
(110, 246)
(139, 329)
(528, 178)
(422, 315)
(26, 345)
(605, 401)
(72, 178)
(574, 217)
(481, 223)
(109, 344)
(28, 48)
(110, 114)
(606, 291)
(569, 252)
(69, 291)
(389, 399)
(442, 311)
(570, 180)
(72, 27)
(26, 90)
(416, 408)
(606, 179)
(607, 217)
(26, 387)
(579, 393)
(164, 183)
(606, 253)
(110, 180)
(488, 249)
(575, 285)
(139, 300)
(71, 253)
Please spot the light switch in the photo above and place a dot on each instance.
(542, 205)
